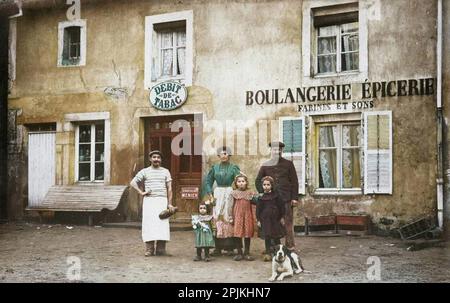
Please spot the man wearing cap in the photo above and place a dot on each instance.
(157, 197)
(286, 184)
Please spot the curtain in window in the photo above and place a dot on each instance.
(327, 157)
(181, 51)
(167, 54)
(351, 167)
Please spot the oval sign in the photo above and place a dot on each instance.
(168, 95)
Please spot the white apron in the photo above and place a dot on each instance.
(153, 228)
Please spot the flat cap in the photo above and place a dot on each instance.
(276, 144)
(153, 152)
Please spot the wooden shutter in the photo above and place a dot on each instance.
(292, 133)
(378, 152)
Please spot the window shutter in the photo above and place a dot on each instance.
(378, 152)
(292, 133)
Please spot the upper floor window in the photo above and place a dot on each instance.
(168, 48)
(334, 41)
(72, 43)
(337, 48)
(171, 54)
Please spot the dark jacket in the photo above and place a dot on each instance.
(285, 176)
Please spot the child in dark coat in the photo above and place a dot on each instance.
(269, 213)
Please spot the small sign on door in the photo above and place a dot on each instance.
(189, 192)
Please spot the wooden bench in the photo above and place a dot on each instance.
(89, 199)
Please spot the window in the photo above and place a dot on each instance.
(334, 41)
(171, 54)
(168, 48)
(91, 151)
(71, 51)
(72, 43)
(339, 160)
(337, 48)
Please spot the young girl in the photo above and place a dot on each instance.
(269, 213)
(203, 229)
(243, 215)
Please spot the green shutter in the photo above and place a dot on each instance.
(292, 133)
(292, 136)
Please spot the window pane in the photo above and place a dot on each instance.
(99, 152)
(328, 136)
(351, 169)
(74, 33)
(181, 39)
(85, 133)
(327, 45)
(180, 61)
(166, 40)
(351, 135)
(350, 61)
(84, 152)
(349, 43)
(84, 172)
(327, 64)
(99, 133)
(349, 27)
(167, 59)
(99, 171)
(327, 172)
(327, 31)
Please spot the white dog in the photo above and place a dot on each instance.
(284, 263)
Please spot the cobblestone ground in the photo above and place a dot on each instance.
(39, 253)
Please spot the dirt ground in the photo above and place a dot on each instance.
(39, 253)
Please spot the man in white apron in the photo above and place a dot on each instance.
(157, 197)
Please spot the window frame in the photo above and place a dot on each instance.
(81, 23)
(310, 76)
(174, 49)
(93, 148)
(151, 34)
(339, 153)
(76, 119)
(338, 52)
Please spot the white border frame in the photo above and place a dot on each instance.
(188, 16)
(309, 76)
(76, 118)
(61, 26)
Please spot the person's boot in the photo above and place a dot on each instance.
(161, 248)
(149, 248)
(198, 257)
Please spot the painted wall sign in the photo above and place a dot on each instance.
(189, 192)
(168, 95)
(309, 98)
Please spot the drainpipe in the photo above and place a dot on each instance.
(440, 156)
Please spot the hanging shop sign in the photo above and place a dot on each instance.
(168, 95)
(351, 96)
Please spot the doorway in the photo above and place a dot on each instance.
(185, 169)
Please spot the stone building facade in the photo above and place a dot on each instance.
(350, 86)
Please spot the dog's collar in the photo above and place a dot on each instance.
(280, 262)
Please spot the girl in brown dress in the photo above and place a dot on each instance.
(243, 217)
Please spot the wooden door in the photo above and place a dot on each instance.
(185, 168)
(41, 166)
